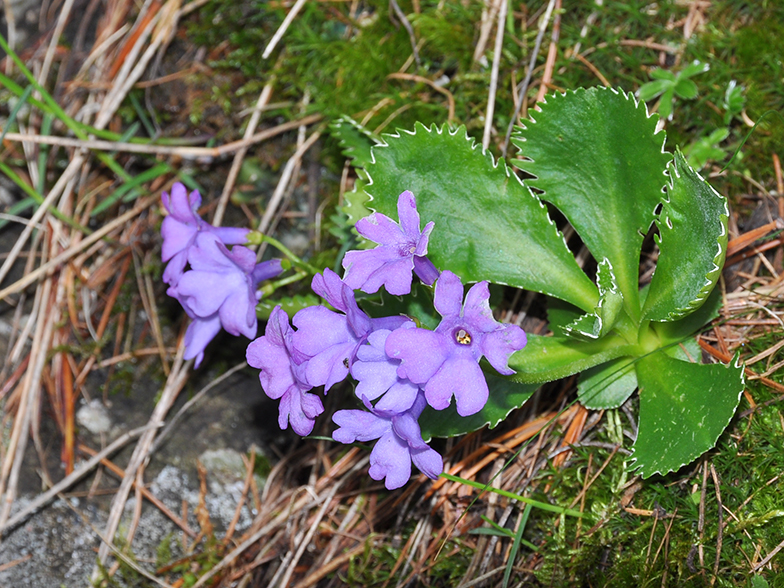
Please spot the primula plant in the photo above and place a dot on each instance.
(428, 356)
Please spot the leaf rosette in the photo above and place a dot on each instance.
(594, 155)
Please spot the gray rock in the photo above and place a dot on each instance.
(94, 417)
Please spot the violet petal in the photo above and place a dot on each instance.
(390, 460)
(448, 297)
(463, 379)
(358, 425)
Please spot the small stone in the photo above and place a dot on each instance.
(94, 417)
(226, 464)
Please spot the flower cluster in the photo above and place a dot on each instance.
(400, 368)
(219, 289)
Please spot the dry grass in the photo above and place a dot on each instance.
(303, 533)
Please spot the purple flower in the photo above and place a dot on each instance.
(331, 339)
(399, 441)
(445, 362)
(283, 374)
(376, 374)
(402, 249)
(180, 228)
(219, 291)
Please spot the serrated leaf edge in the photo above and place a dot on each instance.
(519, 135)
(635, 466)
(718, 259)
(345, 148)
(473, 146)
(572, 329)
(628, 95)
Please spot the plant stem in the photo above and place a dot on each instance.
(296, 261)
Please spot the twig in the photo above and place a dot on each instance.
(432, 84)
(10, 20)
(141, 454)
(484, 33)
(30, 392)
(230, 557)
(748, 371)
(118, 554)
(56, 34)
(285, 177)
(409, 29)
(552, 52)
(74, 477)
(16, 562)
(522, 89)
(331, 566)
(646, 44)
(497, 51)
(249, 464)
(580, 496)
(36, 218)
(486, 576)
(201, 153)
(701, 518)
(161, 27)
(311, 531)
(198, 396)
(720, 532)
(282, 28)
(605, 82)
(236, 165)
(71, 251)
(145, 493)
(768, 557)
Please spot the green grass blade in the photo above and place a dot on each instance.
(16, 210)
(512, 495)
(43, 152)
(137, 106)
(127, 189)
(497, 529)
(17, 107)
(57, 111)
(30, 191)
(518, 539)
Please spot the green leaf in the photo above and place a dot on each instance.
(662, 74)
(488, 225)
(613, 179)
(560, 314)
(354, 139)
(355, 202)
(684, 407)
(689, 325)
(608, 385)
(734, 101)
(652, 89)
(694, 68)
(692, 242)
(686, 89)
(665, 104)
(704, 149)
(545, 359)
(611, 384)
(599, 323)
(505, 396)
(291, 304)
